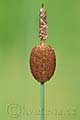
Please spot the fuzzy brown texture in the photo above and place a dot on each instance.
(42, 62)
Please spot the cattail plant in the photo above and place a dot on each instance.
(42, 58)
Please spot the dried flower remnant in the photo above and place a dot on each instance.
(43, 28)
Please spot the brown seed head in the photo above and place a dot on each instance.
(42, 62)
(42, 58)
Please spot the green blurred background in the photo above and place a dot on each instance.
(19, 91)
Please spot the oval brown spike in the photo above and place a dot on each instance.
(42, 58)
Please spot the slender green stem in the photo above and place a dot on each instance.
(42, 101)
